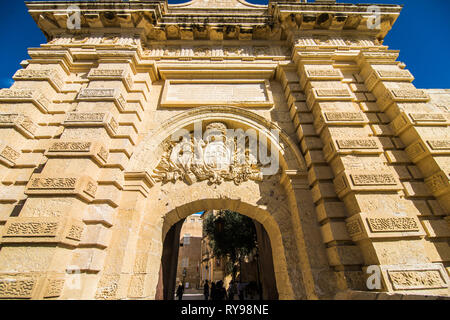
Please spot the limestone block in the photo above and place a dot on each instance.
(51, 75)
(415, 172)
(387, 73)
(351, 181)
(381, 130)
(73, 149)
(327, 118)
(416, 189)
(26, 95)
(92, 119)
(438, 250)
(42, 230)
(357, 162)
(311, 143)
(436, 208)
(352, 145)
(12, 193)
(298, 107)
(323, 190)
(314, 157)
(431, 277)
(326, 210)
(20, 122)
(422, 207)
(438, 183)
(369, 106)
(320, 173)
(436, 228)
(112, 74)
(99, 213)
(121, 145)
(96, 235)
(306, 130)
(89, 259)
(83, 187)
(18, 176)
(344, 255)
(109, 194)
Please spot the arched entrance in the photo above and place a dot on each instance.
(263, 266)
(281, 202)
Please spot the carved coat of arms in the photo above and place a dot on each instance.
(216, 157)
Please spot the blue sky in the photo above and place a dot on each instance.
(421, 33)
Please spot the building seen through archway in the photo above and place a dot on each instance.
(250, 278)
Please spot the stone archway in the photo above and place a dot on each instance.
(286, 279)
(281, 202)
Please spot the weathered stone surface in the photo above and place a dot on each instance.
(103, 149)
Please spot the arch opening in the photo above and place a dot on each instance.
(188, 259)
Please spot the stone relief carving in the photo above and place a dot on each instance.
(420, 279)
(215, 159)
(373, 179)
(32, 229)
(392, 224)
(357, 144)
(439, 144)
(16, 288)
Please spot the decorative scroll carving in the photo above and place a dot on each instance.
(24, 95)
(32, 229)
(428, 117)
(416, 279)
(354, 228)
(85, 116)
(83, 186)
(95, 119)
(439, 144)
(70, 146)
(373, 179)
(438, 183)
(215, 160)
(357, 144)
(409, 94)
(344, 116)
(392, 224)
(17, 288)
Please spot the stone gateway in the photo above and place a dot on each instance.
(136, 114)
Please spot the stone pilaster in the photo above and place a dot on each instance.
(342, 255)
(420, 129)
